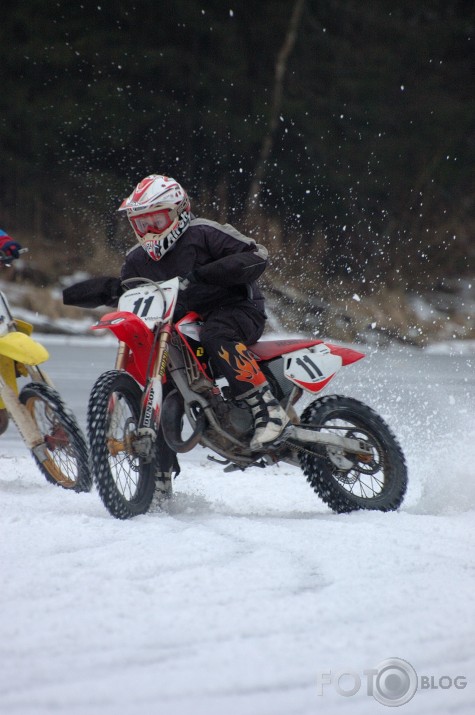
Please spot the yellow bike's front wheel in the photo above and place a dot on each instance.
(67, 462)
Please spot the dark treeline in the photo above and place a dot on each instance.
(344, 128)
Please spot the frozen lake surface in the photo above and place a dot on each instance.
(249, 597)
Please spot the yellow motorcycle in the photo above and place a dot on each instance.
(48, 428)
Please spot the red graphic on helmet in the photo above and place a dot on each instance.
(141, 188)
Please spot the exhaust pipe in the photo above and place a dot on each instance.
(172, 424)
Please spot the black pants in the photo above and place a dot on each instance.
(225, 335)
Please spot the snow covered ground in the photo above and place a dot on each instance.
(249, 597)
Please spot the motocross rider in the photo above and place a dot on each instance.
(218, 267)
(9, 250)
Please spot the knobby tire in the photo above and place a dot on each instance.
(379, 483)
(67, 463)
(125, 482)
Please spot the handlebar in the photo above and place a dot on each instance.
(139, 281)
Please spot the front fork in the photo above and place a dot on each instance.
(25, 423)
(152, 398)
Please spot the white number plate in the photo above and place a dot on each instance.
(312, 368)
(150, 303)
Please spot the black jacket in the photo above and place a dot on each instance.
(223, 263)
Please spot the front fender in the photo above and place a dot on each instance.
(131, 330)
(23, 349)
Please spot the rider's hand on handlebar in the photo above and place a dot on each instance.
(187, 280)
(9, 248)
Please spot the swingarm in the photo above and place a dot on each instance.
(308, 435)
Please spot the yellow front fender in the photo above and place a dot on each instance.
(23, 349)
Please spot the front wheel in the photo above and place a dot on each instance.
(124, 474)
(67, 462)
(345, 481)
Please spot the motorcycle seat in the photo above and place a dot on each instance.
(269, 349)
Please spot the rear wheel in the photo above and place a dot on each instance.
(123, 472)
(348, 481)
(67, 462)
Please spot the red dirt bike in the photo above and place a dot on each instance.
(346, 451)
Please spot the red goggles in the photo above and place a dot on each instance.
(153, 222)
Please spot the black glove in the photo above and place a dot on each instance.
(188, 280)
(104, 290)
(9, 247)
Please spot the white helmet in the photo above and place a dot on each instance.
(159, 212)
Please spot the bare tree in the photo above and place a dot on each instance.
(279, 73)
